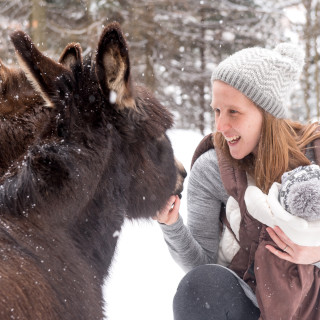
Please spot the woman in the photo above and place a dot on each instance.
(253, 140)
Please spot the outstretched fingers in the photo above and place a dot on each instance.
(170, 213)
(286, 246)
(291, 251)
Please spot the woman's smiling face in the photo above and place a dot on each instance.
(237, 118)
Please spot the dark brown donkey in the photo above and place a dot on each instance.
(23, 114)
(101, 155)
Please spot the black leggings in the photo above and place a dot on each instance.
(210, 292)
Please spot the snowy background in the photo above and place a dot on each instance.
(143, 277)
(174, 45)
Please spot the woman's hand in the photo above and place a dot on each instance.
(170, 213)
(290, 251)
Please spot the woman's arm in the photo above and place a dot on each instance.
(197, 243)
(291, 251)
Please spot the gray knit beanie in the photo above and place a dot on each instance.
(266, 77)
(300, 192)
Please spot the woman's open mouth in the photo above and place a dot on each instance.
(232, 140)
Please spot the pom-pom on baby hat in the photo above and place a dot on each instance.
(266, 77)
(300, 192)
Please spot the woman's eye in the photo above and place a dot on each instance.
(233, 111)
(216, 110)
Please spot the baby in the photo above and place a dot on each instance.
(293, 205)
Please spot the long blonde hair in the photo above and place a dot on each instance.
(281, 148)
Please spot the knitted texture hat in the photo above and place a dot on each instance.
(300, 192)
(267, 77)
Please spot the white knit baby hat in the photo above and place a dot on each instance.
(300, 192)
(266, 77)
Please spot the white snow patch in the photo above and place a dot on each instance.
(113, 97)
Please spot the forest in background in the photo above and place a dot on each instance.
(174, 45)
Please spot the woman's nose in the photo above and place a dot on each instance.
(222, 123)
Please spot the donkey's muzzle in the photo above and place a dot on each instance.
(181, 175)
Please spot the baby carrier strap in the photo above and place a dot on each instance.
(205, 144)
(234, 179)
(231, 178)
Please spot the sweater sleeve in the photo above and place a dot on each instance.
(197, 242)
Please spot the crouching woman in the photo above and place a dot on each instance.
(269, 277)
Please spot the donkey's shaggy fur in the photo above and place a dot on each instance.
(94, 161)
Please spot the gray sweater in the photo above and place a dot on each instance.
(198, 243)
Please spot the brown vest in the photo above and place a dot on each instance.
(284, 290)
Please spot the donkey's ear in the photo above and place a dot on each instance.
(3, 67)
(71, 55)
(40, 70)
(113, 67)
(4, 73)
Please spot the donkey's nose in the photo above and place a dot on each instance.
(181, 174)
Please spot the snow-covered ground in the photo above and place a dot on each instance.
(143, 277)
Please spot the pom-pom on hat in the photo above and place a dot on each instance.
(266, 77)
(300, 192)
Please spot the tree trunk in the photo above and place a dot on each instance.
(202, 84)
(306, 71)
(38, 23)
(149, 75)
(316, 58)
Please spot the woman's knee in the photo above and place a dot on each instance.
(211, 278)
(211, 292)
